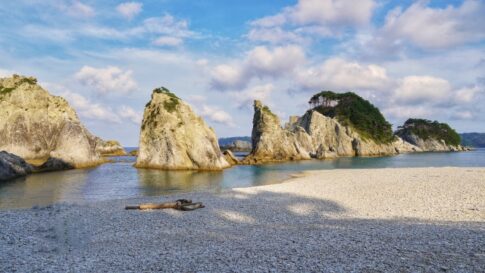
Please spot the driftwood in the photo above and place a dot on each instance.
(181, 204)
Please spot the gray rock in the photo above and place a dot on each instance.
(12, 166)
(54, 164)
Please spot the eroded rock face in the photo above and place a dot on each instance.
(37, 125)
(230, 157)
(173, 137)
(431, 144)
(12, 166)
(271, 142)
(312, 135)
(109, 147)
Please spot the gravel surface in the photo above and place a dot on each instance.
(379, 220)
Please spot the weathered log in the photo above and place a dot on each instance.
(181, 204)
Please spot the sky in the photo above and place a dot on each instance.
(419, 59)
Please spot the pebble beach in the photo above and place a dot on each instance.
(355, 220)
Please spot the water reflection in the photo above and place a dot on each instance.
(120, 180)
(156, 182)
(43, 189)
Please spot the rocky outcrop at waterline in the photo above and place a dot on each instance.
(271, 142)
(173, 137)
(12, 166)
(430, 136)
(109, 147)
(36, 125)
(313, 135)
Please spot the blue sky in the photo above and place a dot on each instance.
(421, 59)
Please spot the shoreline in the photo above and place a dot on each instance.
(407, 219)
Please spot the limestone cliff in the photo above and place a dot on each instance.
(12, 166)
(109, 147)
(312, 136)
(430, 136)
(36, 125)
(271, 142)
(174, 137)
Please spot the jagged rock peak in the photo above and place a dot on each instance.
(270, 142)
(36, 125)
(174, 137)
(109, 147)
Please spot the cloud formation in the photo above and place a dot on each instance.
(129, 9)
(111, 79)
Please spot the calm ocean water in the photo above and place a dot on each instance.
(121, 180)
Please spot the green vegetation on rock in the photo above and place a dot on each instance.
(172, 103)
(427, 129)
(352, 110)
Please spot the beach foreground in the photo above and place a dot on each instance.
(373, 220)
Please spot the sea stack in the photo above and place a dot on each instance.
(430, 136)
(109, 147)
(173, 137)
(336, 125)
(36, 125)
(271, 142)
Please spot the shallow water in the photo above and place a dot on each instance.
(121, 180)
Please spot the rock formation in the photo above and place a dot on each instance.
(238, 146)
(36, 125)
(312, 136)
(430, 136)
(109, 147)
(271, 142)
(173, 137)
(12, 166)
(230, 157)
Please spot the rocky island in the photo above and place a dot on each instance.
(173, 137)
(338, 125)
(38, 126)
(109, 147)
(431, 136)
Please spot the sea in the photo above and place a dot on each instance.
(119, 179)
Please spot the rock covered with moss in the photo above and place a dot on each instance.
(173, 137)
(109, 147)
(36, 125)
(431, 136)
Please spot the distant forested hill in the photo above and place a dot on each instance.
(229, 140)
(473, 139)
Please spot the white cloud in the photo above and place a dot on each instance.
(168, 41)
(259, 62)
(341, 75)
(75, 8)
(423, 89)
(130, 114)
(259, 92)
(88, 109)
(309, 18)
(216, 115)
(467, 94)
(106, 80)
(129, 9)
(275, 35)
(343, 12)
(428, 27)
